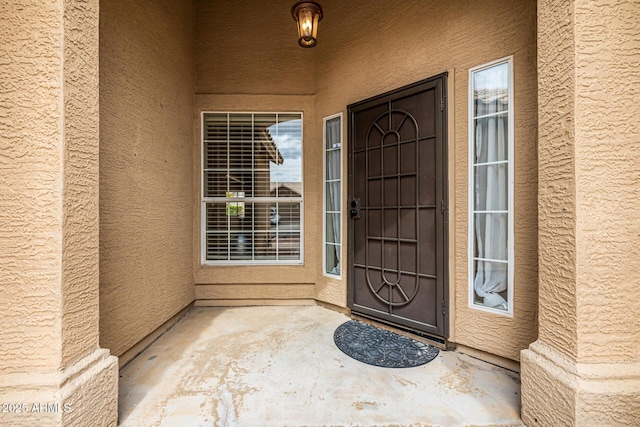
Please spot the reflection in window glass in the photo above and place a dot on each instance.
(491, 187)
(235, 208)
(252, 187)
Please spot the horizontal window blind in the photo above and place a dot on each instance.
(252, 187)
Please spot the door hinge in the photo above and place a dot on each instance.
(442, 103)
(444, 308)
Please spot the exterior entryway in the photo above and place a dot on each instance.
(278, 366)
(397, 194)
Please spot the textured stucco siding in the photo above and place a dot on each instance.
(585, 367)
(30, 184)
(385, 48)
(80, 272)
(589, 155)
(146, 214)
(607, 152)
(250, 47)
(49, 128)
(49, 141)
(556, 193)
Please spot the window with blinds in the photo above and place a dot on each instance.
(252, 188)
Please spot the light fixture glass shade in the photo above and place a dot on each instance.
(307, 14)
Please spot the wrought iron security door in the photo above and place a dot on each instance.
(397, 193)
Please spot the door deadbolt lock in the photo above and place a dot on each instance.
(355, 209)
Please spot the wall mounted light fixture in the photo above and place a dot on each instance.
(307, 14)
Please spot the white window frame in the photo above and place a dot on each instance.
(471, 195)
(325, 244)
(204, 200)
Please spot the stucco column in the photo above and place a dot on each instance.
(584, 369)
(52, 371)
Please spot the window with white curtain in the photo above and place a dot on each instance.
(491, 186)
(332, 193)
(252, 188)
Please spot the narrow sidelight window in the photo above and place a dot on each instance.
(491, 186)
(332, 193)
(252, 188)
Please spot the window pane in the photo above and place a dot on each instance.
(215, 155)
(490, 89)
(262, 217)
(490, 284)
(333, 169)
(240, 127)
(216, 218)
(287, 173)
(217, 246)
(215, 127)
(288, 244)
(239, 218)
(333, 228)
(491, 236)
(266, 155)
(333, 263)
(491, 139)
(240, 182)
(333, 194)
(491, 188)
(265, 246)
(262, 124)
(288, 216)
(241, 245)
(332, 133)
(235, 209)
(215, 184)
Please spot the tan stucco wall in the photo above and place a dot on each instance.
(589, 162)
(368, 48)
(80, 272)
(248, 59)
(30, 185)
(556, 194)
(49, 192)
(146, 215)
(585, 367)
(607, 151)
(49, 140)
(250, 47)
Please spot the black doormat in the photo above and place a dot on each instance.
(378, 347)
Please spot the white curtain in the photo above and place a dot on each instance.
(333, 189)
(491, 194)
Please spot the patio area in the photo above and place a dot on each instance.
(278, 366)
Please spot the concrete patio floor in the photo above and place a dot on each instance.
(278, 366)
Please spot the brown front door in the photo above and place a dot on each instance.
(397, 194)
